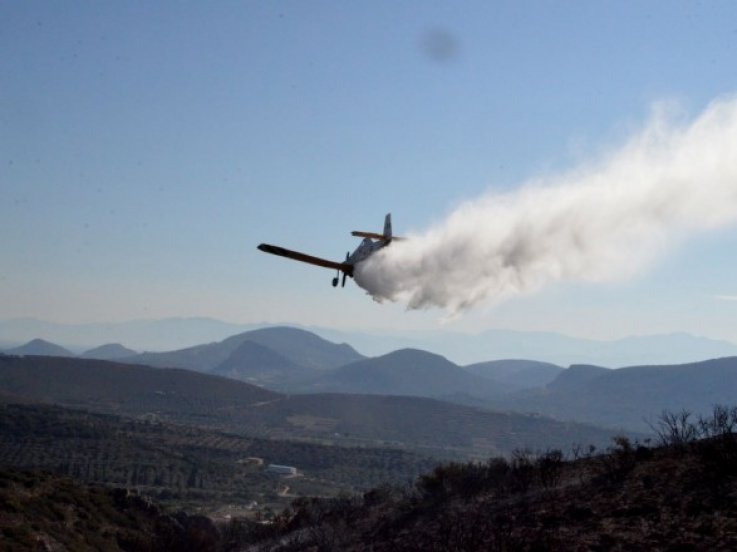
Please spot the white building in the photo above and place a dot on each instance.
(281, 470)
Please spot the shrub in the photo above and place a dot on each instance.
(675, 428)
(457, 479)
(550, 468)
(522, 469)
(619, 461)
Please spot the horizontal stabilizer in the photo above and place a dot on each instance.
(386, 237)
(372, 235)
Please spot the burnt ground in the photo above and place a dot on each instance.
(671, 498)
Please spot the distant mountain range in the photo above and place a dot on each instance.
(295, 361)
(109, 351)
(632, 397)
(517, 374)
(40, 347)
(438, 428)
(294, 345)
(141, 335)
(407, 372)
(124, 389)
(178, 333)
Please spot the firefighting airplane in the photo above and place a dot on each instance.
(370, 244)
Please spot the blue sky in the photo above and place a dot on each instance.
(147, 148)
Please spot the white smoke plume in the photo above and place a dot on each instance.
(601, 222)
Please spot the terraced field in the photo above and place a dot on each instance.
(187, 465)
(433, 427)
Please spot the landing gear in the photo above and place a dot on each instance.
(345, 274)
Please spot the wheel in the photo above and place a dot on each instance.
(335, 282)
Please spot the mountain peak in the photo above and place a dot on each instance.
(576, 375)
(410, 372)
(40, 347)
(109, 351)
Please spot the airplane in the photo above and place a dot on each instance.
(370, 244)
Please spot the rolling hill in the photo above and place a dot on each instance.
(174, 395)
(289, 360)
(112, 387)
(439, 428)
(40, 347)
(179, 463)
(301, 347)
(517, 374)
(461, 348)
(575, 377)
(109, 351)
(407, 372)
(260, 365)
(633, 397)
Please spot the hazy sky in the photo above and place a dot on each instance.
(147, 148)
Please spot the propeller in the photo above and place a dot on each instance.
(345, 273)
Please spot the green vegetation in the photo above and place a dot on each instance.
(186, 466)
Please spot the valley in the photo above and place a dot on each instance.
(197, 430)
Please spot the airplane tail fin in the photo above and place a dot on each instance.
(386, 237)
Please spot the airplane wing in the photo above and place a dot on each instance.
(289, 254)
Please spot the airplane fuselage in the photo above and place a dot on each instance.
(371, 243)
(365, 249)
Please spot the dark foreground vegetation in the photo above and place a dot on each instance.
(43, 511)
(679, 494)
